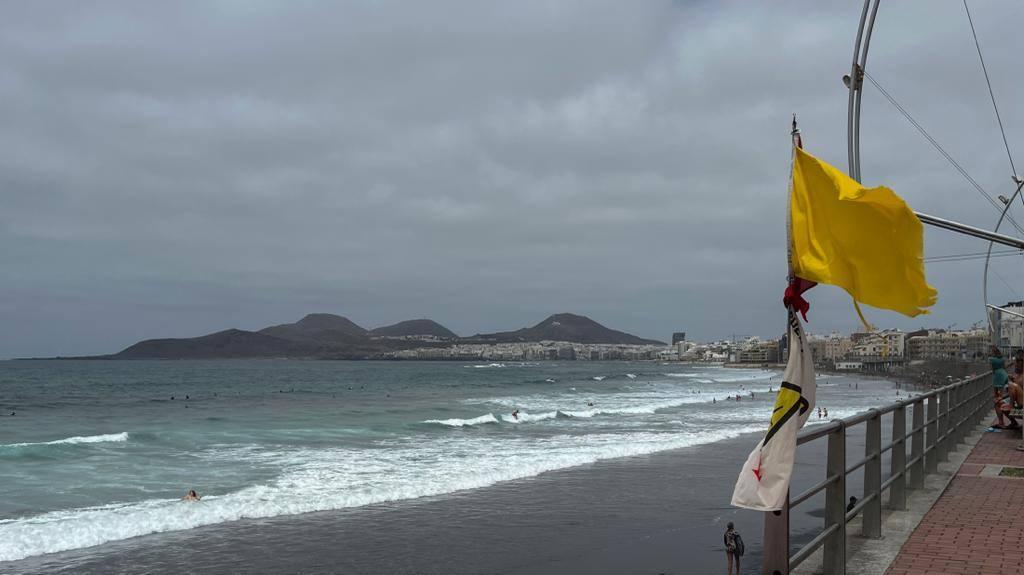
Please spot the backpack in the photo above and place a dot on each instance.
(740, 548)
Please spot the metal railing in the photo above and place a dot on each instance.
(941, 419)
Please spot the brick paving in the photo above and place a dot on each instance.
(976, 525)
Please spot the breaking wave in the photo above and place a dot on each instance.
(326, 479)
(489, 418)
(107, 438)
(530, 417)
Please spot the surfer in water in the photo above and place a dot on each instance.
(515, 414)
(191, 496)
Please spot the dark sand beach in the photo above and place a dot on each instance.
(661, 513)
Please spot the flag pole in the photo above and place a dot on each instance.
(776, 523)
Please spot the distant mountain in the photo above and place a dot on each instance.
(568, 327)
(328, 336)
(322, 328)
(232, 343)
(414, 327)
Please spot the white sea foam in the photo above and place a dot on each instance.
(631, 375)
(486, 365)
(745, 375)
(648, 400)
(529, 417)
(324, 479)
(599, 377)
(489, 418)
(106, 438)
(726, 376)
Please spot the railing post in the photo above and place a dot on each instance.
(872, 517)
(776, 542)
(944, 429)
(931, 462)
(917, 446)
(834, 552)
(985, 398)
(963, 394)
(898, 462)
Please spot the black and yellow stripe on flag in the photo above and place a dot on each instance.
(764, 479)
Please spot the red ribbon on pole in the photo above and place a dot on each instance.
(793, 298)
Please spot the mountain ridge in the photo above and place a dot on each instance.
(330, 336)
(568, 327)
(413, 327)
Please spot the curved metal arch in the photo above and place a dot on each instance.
(988, 259)
(855, 84)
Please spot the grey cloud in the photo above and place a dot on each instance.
(174, 169)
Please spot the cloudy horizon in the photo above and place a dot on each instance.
(179, 169)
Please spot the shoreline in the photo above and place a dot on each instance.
(657, 511)
(630, 514)
(654, 487)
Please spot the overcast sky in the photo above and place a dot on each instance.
(172, 169)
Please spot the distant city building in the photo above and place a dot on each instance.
(757, 351)
(1008, 326)
(837, 346)
(886, 343)
(678, 337)
(942, 344)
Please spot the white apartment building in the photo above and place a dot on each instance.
(940, 344)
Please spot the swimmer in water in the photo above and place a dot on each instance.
(191, 496)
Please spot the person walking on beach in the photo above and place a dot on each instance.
(732, 547)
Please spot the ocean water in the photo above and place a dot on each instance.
(98, 451)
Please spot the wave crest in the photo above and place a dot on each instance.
(105, 438)
(455, 422)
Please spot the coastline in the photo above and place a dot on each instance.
(658, 513)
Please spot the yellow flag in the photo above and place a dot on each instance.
(864, 240)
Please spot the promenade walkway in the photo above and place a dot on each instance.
(976, 525)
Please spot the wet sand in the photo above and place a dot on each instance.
(661, 513)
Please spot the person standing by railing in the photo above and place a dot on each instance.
(999, 380)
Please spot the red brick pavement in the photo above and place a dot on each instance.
(975, 526)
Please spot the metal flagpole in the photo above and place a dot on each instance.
(776, 523)
(971, 230)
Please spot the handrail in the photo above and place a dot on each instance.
(940, 421)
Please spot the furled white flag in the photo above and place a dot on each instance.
(764, 480)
